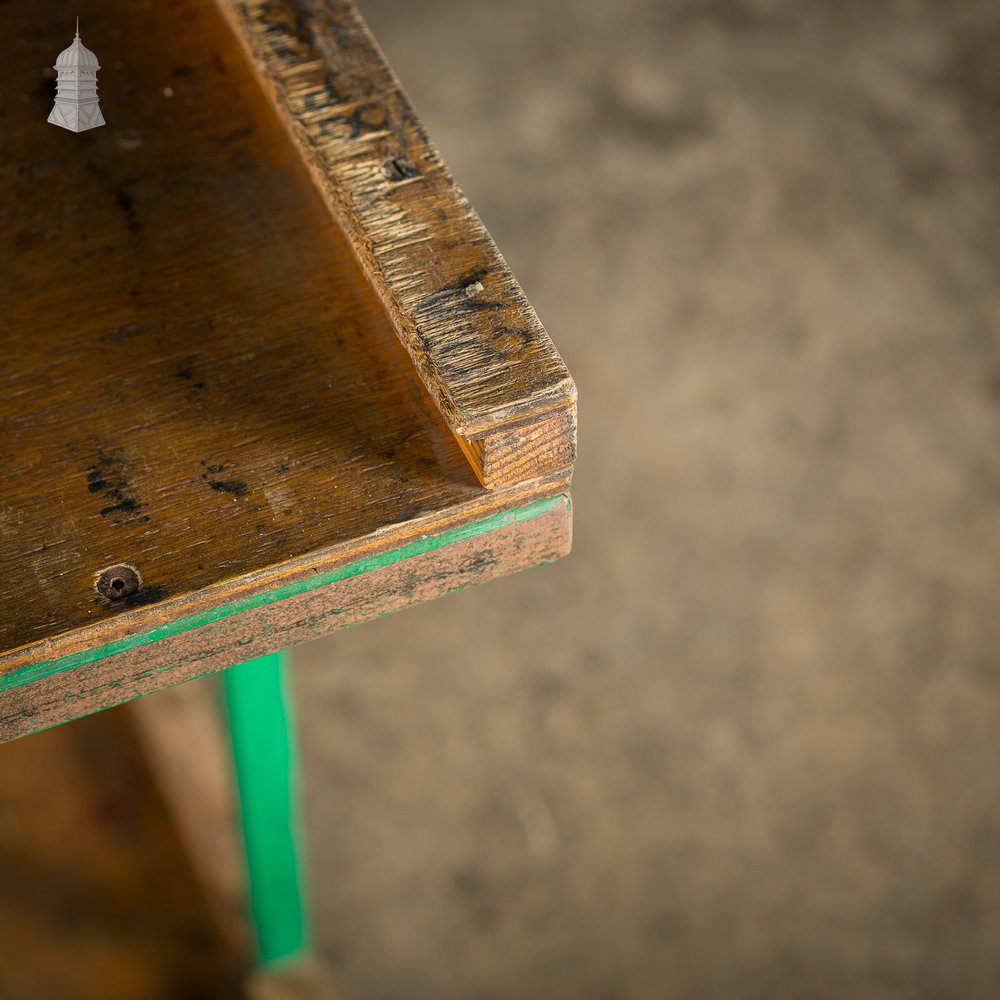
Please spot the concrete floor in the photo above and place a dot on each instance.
(743, 742)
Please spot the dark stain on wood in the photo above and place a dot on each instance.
(45, 92)
(233, 486)
(126, 203)
(339, 420)
(240, 133)
(109, 477)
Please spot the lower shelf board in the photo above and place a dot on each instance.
(99, 901)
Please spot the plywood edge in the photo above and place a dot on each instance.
(391, 542)
(51, 691)
(474, 339)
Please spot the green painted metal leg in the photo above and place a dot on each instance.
(262, 729)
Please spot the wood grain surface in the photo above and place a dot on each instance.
(473, 336)
(201, 377)
(45, 693)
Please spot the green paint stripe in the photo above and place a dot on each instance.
(265, 757)
(37, 671)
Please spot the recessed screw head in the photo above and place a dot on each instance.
(118, 581)
(399, 168)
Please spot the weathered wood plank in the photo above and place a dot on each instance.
(202, 377)
(473, 336)
(195, 378)
(45, 693)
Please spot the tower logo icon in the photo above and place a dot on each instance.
(76, 106)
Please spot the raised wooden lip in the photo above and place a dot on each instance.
(474, 339)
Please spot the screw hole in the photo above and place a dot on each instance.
(118, 581)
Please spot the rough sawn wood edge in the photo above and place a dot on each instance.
(475, 340)
(46, 693)
(384, 543)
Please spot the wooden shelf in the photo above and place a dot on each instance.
(217, 365)
(114, 911)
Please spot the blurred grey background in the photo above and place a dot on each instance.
(743, 743)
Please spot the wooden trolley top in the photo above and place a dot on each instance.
(255, 345)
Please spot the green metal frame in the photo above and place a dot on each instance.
(265, 756)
